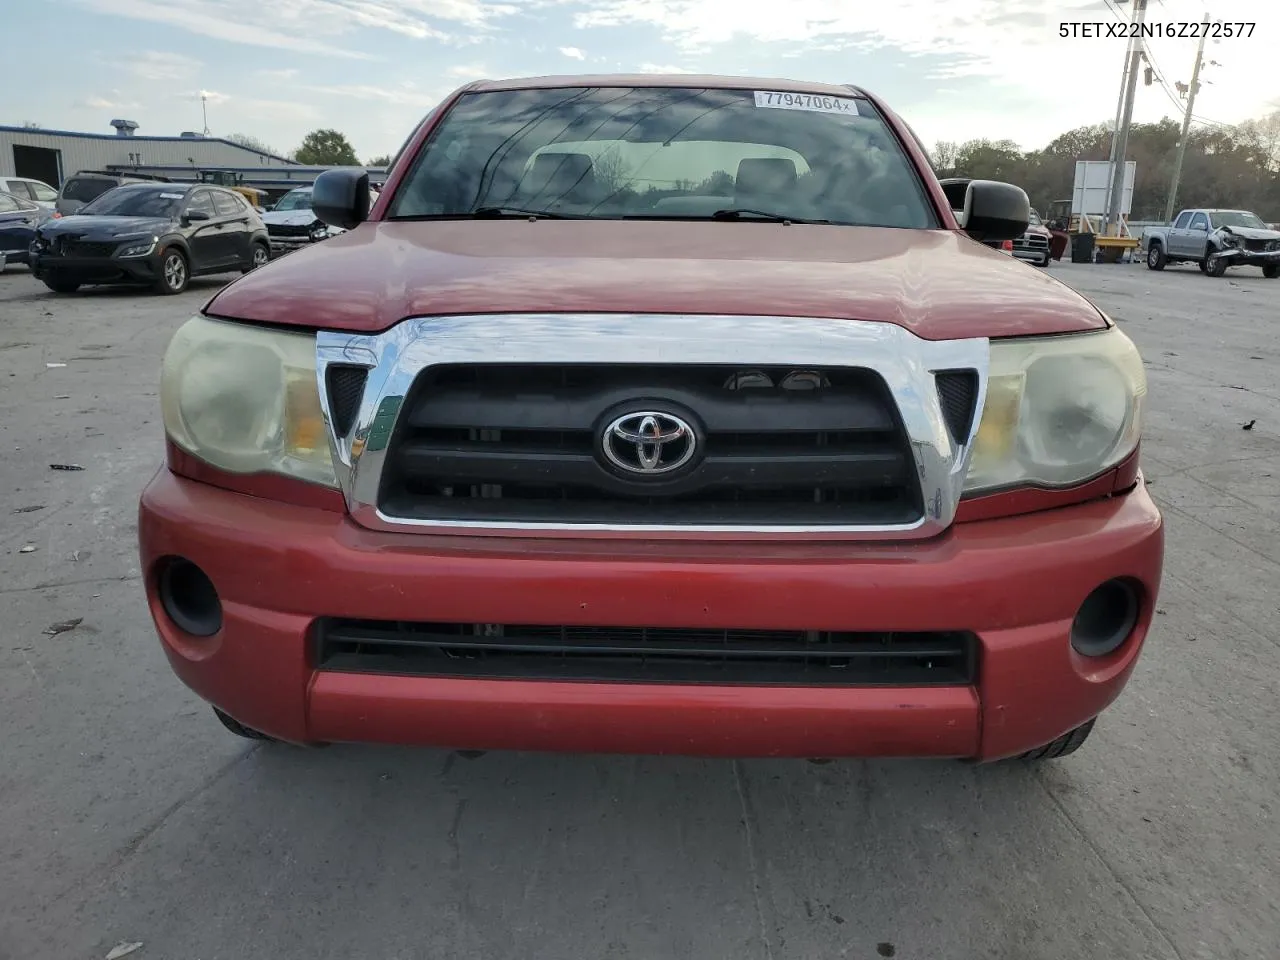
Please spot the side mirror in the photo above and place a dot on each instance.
(341, 197)
(191, 216)
(995, 211)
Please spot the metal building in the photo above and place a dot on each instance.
(53, 155)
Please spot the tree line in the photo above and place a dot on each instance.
(319, 148)
(1224, 166)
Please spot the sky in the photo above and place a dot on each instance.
(276, 69)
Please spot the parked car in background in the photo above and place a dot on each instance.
(87, 185)
(1034, 244)
(561, 451)
(292, 224)
(19, 218)
(1215, 240)
(37, 191)
(159, 235)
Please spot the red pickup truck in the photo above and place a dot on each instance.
(655, 415)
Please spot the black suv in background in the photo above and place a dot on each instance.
(159, 235)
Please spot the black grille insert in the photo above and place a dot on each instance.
(345, 386)
(647, 654)
(958, 393)
(776, 445)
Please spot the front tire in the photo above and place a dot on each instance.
(1155, 257)
(1215, 266)
(1066, 744)
(258, 257)
(61, 286)
(239, 729)
(1271, 270)
(174, 273)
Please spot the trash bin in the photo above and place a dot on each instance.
(1082, 248)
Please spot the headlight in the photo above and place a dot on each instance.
(140, 249)
(1059, 410)
(319, 231)
(244, 400)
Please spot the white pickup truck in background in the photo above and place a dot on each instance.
(1214, 239)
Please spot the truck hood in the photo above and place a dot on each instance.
(1252, 233)
(936, 283)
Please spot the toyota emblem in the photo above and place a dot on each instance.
(648, 442)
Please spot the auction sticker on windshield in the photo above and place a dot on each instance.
(806, 101)
(171, 196)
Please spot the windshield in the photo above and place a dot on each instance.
(1034, 219)
(665, 153)
(294, 200)
(131, 202)
(1237, 218)
(85, 189)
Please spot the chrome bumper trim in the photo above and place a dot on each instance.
(906, 362)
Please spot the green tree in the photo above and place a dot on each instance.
(382, 161)
(252, 143)
(326, 148)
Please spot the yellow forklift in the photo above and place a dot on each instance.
(234, 181)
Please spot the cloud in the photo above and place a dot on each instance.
(404, 95)
(160, 66)
(468, 71)
(98, 102)
(661, 68)
(573, 53)
(316, 26)
(282, 74)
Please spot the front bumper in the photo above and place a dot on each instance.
(98, 269)
(1015, 582)
(282, 245)
(1248, 258)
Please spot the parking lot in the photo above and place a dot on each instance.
(127, 814)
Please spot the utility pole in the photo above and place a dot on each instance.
(1122, 135)
(1186, 127)
(204, 111)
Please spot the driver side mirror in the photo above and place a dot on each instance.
(341, 197)
(994, 211)
(191, 216)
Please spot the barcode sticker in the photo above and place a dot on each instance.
(171, 196)
(807, 101)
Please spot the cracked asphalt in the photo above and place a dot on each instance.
(127, 814)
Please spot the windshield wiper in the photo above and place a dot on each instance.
(494, 213)
(737, 213)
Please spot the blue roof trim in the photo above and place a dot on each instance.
(137, 139)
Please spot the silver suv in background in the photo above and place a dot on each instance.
(24, 188)
(86, 185)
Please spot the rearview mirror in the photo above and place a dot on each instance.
(191, 216)
(994, 211)
(341, 197)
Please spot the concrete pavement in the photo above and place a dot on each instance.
(128, 814)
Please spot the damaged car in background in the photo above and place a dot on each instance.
(1215, 239)
(292, 224)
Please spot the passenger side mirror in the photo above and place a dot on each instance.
(341, 197)
(994, 211)
(191, 216)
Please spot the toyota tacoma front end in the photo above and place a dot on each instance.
(646, 415)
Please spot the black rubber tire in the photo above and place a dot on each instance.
(1155, 257)
(1045, 261)
(1271, 270)
(1217, 267)
(61, 286)
(259, 257)
(1203, 264)
(239, 729)
(1066, 744)
(173, 282)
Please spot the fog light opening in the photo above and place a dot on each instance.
(1105, 619)
(189, 598)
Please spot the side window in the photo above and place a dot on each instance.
(1199, 222)
(42, 192)
(20, 189)
(226, 205)
(1184, 218)
(7, 203)
(200, 202)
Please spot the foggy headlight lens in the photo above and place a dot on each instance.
(245, 400)
(1059, 411)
